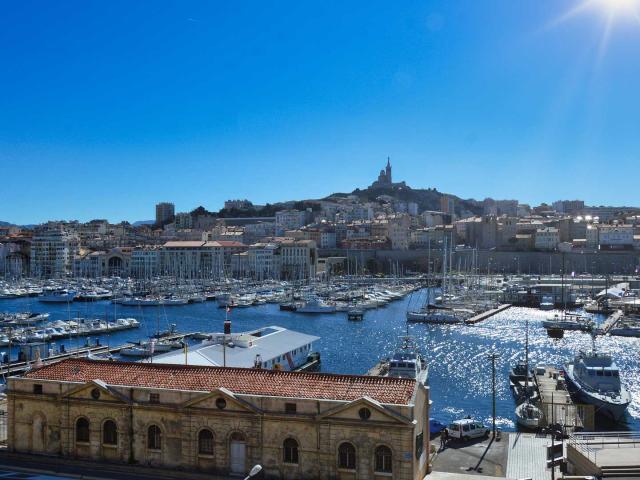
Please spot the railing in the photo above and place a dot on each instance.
(590, 443)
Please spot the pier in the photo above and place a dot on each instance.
(489, 313)
(557, 405)
(611, 322)
(17, 368)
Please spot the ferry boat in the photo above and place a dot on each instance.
(594, 378)
(568, 321)
(58, 296)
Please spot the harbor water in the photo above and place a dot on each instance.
(459, 370)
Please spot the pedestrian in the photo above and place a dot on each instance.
(444, 436)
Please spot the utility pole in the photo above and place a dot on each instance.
(493, 356)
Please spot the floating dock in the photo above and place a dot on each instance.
(611, 322)
(489, 313)
(17, 368)
(557, 404)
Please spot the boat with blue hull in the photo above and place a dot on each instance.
(594, 378)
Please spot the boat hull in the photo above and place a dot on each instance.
(432, 318)
(610, 410)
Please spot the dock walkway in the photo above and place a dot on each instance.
(489, 313)
(611, 321)
(557, 404)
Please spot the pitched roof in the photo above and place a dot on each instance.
(224, 243)
(238, 380)
(184, 243)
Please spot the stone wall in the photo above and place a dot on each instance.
(45, 422)
(593, 262)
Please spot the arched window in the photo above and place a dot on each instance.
(290, 451)
(154, 438)
(109, 433)
(383, 459)
(205, 442)
(82, 430)
(347, 456)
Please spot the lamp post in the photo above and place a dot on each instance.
(493, 356)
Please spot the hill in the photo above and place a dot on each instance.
(427, 199)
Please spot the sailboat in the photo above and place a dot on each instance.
(528, 414)
(437, 311)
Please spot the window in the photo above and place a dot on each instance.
(37, 388)
(205, 442)
(109, 433)
(82, 430)
(290, 408)
(364, 413)
(290, 451)
(221, 403)
(383, 460)
(154, 398)
(347, 456)
(154, 438)
(419, 445)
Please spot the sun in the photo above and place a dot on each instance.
(619, 5)
(612, 12)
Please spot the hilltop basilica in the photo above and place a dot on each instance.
(384, 179)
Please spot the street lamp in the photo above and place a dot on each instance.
(255, 471)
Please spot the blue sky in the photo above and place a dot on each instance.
(109, 107)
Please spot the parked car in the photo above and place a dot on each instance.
(467, 428)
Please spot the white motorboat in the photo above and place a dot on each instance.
(139, 302)
(174, 301)
(316, 305)
(547, 303)
(58, 296)
(435, 315)
(408, 363)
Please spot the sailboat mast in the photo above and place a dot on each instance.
(526, 359)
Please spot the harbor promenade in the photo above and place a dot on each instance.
(515, 455)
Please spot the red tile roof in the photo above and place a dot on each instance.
(238, 380)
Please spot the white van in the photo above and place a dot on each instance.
(467, 429)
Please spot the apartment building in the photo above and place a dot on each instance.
(52, 253)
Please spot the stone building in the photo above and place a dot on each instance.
(223, 420)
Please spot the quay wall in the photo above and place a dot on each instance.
(493, 261)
